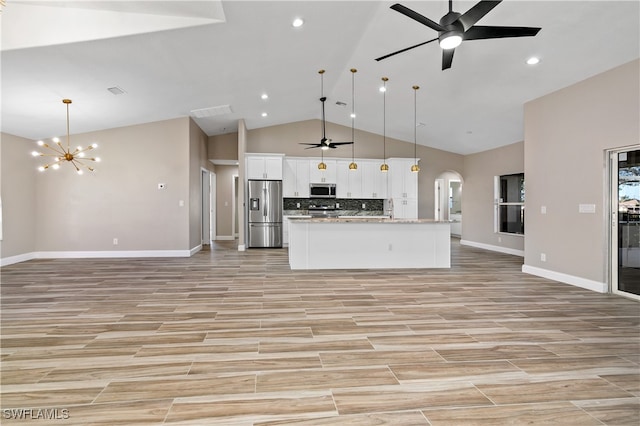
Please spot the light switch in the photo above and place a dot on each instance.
(543, 209)
(181, 203)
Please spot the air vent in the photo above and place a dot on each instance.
(116, 90)
(211, 111)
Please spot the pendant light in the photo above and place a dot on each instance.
(415, 168)
(384, 167)
(353, 165)
(60, 154)
(322, 165)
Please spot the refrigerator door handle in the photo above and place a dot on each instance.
(265, 204)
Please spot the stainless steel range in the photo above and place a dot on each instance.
(324, 210)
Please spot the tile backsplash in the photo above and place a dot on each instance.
(370, 205)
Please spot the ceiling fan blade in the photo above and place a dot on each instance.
(447, 58)
(313, 147)
(481, 33)
(314, 144)
(417, 17)
(473, 15)
(334, 144)
(405, 49)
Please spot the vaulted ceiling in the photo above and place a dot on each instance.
(171, 58)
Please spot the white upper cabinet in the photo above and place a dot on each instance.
(264, 166)
(374, 182)
(322, 176)
(404, 182)
(404, 188)
(295, 179)
(349, 182)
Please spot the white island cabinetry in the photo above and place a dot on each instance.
(340, 243)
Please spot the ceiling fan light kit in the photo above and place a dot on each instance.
(454, 28)
(384, 167)
(415, 168)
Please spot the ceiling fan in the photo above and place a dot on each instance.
(325, 143)
(454, 27)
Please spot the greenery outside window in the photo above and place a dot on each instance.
(509, 204)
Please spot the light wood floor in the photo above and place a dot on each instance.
(237, 338)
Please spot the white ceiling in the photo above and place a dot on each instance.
(172, 57)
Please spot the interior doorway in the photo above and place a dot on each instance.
(207, 186)
(624, 195)
(448, 200)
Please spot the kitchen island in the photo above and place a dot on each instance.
(368, 243)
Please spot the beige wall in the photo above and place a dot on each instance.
(71, 213)
(286, 139)
(478, 197)
(566, 135)
(18, 194)
(223, 147)
(198, 141)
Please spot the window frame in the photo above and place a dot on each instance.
(499, 203)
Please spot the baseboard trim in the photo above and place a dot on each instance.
(6, 261)
(241, 247)
(567, 279)
(225, 238)
(97, 254)
(500, 249)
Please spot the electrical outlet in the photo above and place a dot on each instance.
(337, 205)
(390, 247)
(543, 257)
(499, 239)
(297, 205)
(364, 206)
(115, 241)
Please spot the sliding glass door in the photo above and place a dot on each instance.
(625, 224)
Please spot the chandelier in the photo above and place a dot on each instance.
(59, 153)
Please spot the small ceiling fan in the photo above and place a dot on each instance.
(325, 143)
(454, 28)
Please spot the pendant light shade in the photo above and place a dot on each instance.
(321, 165)
(353, 165)
(384, 167)
(415, 168)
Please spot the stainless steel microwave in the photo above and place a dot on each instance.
(322, 190)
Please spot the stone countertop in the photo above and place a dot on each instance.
(362, 219)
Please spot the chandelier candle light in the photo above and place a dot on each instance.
(60, 154)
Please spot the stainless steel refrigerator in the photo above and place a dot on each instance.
(265, 213)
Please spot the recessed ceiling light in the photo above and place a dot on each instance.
(383, 89)
(297, 22)
(353, 115)
(264, 96)
(533, 60)
(264, 114)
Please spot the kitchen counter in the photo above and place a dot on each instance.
(368, 243)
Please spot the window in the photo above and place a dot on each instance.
(509, 206)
